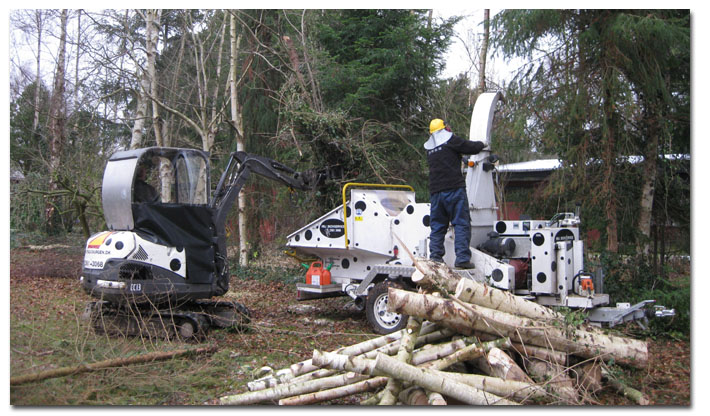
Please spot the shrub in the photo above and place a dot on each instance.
(634, 279)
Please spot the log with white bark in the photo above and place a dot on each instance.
(466, 353)
(286, 375)
(467, 318)
(306, 366)
(435, 352)
(414, 396)
(363, 386)
(515, 390)
(384, 365)
(276, 393)
(499, 364)
(436, 383)
(481, 294)
(432, 275)
(544, 354)
(404, 354)
(555, 378)
(435, 399)
(588, 377)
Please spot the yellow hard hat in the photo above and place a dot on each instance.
(436, 125)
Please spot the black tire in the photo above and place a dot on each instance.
(381, 321)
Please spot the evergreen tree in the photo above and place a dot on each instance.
(597, 87)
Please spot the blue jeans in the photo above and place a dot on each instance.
(450, 207)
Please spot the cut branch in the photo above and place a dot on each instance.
(115, 362)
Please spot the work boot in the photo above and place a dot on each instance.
(464, 266)
(436, 259)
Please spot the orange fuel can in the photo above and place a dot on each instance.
(317, 274)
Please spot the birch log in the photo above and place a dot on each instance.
(306, 366)
(467, 353)
(516, 390)
(499, 364)
(414, 396)
(435, 399)
(404, 354)
(428, 328)
(286, 375)
(469, 318)
(432, 275)
(436, 383)
(292, 389)
(470, 291)
(364, 386)
(387, 366)
(555, 378)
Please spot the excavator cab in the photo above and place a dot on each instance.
(153, 176)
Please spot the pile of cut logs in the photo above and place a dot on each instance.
(465, 343)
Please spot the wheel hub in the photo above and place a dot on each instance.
(384, 317)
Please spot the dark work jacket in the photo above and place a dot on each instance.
(445, 163)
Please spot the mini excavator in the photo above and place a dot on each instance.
(164, 256)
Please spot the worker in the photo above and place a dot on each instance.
(142, 190)
(449, 203)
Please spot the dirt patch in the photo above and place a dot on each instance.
(46, 262)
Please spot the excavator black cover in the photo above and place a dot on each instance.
(187, 227)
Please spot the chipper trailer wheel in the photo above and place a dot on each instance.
(382, 321)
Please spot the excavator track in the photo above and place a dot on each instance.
(189, 322)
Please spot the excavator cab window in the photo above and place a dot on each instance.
(171, 179)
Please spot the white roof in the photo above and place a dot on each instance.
(552, 164)
(530, 166)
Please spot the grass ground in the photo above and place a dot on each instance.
(46, 332)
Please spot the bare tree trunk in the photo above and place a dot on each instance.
(608, 189)
(484, 51)
(146, 79)
(292, 389)
(38, 78)
(237, 124)
(384, 365)
(152, 52)
(648, 188)
(57, 119)
(467, 353)
(75, 101)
